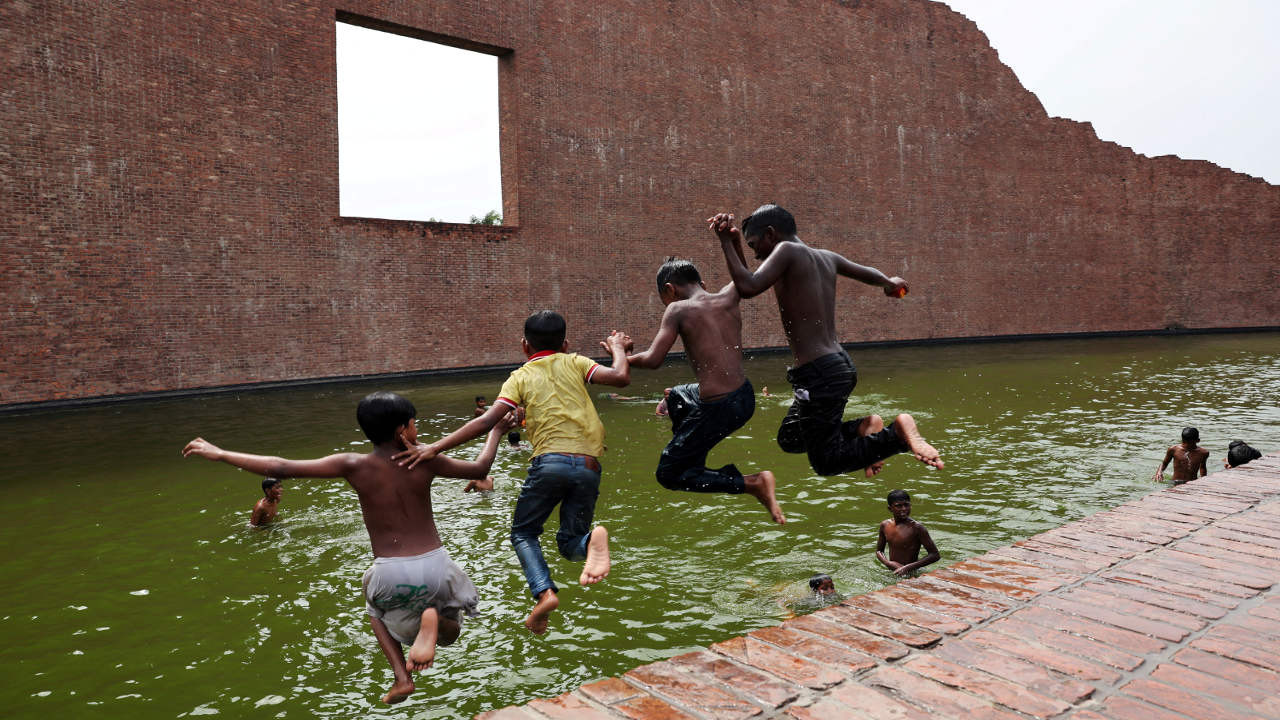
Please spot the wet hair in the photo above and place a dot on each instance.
(896, 495)
(677, 272)
(544, 330)
(816, 581)
(479, 398)
(1239, 452)
(380, 413)
(268, 483)
(513, 438)
(765, 216)
(1190, 434)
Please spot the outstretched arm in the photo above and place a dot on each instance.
(893, 286)
(749, 284)
(476, 427)
(620, 374)
(1168, 456)
(333, 466)
(668, 330)
(932, 557)
(469, 469)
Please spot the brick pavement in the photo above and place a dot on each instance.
(1164, 607)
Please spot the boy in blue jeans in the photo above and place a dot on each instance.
(568, 439)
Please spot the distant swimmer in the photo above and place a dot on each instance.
(1188, 458)
(904, 537)
(481, 406)
(804, 284)
(822, 584)
(264, 512)
(710, 410)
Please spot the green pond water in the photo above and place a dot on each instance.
(132, 586)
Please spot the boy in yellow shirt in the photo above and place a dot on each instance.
(568, 439)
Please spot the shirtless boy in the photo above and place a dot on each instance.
(264, 513)
(567, 438)
(1188, 458)
(704, 413)
(904, 537)
(396, 505)
(804, 283)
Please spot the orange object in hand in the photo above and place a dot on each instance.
(900, 292)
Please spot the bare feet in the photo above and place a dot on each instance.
(910, 434)
(597, 565)
(761, 486)
(870, 425)
(398, 692)
(423, 652)
(537, 620)
(874, 468)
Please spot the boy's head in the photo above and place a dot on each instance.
(480, 401)
(544, 330)
(899, 504)
(383, 416)
(676, 278)
(766, 227)
(513, 438)
(272, 488)
(1190, 435)
(1239, 453)
(822, 584)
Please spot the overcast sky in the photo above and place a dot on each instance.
(418, 122)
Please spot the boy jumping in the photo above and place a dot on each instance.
(804, 283)
(414, 594)
(568, 439)
(708, 411)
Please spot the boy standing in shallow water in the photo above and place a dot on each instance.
(804, 283)
(414, 594)
(904, 537)
(568, 439)
(704, 413)
(264, 513)
(1188, 458)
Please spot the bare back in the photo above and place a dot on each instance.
(710, 325)
(806, 294)
(396, 505)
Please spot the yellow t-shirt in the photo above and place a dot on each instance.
(559, 415)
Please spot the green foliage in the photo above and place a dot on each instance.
(493, 217)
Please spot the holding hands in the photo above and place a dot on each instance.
(617, 337)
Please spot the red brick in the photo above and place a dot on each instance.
(974, 597)
(1264, 703)
(688, 691)
(610, 691)
(1029, 675)
(986, 685)
(1246, 552)
(1172, 698)
(1036, 581)
(1181, 576)
(1124, 606)
(568, 707)
(880, 707)
(815, 648)
(506, 713)
(1172, 587)
(650, 708)
(938, 602)
(853, 639)
(1129, 640)
(1214, 566)
(929, 694)
(1039, 654)
(1120, 707)
(1247, 535)
(1229, 644)
(980, 583)
(1165, 600)
(869, 703)
(1227, 668)
(1092, 562)
(752, 652)
(762, 688)
(1036, 558)
(904, 633)
(884, 604)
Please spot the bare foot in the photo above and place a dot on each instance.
(761, 486)
(874, 468)
(423, 652)
(910, 434)
(398, 692)
(597, 565)
(537, 620)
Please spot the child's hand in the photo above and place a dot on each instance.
(722, 225)
(896, 288)
(203, 448)
(617, 337)
(507, 423)
(484, 485)
(419, 453)
(902, 571)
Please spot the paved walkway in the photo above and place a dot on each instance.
(1164, 608)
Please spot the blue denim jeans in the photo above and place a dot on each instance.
(554, 479)
(696, 427)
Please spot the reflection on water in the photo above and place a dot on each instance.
(134, 586)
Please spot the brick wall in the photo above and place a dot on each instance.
(168, 189)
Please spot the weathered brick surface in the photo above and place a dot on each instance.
(986, 685)
(169, 195)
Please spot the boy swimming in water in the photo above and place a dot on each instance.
(264, 512)
(904, 538)
(804, 283)
(567, 438)
(704, 413)
(1188, 458)
(414, 594)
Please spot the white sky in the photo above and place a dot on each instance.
(418, 122)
